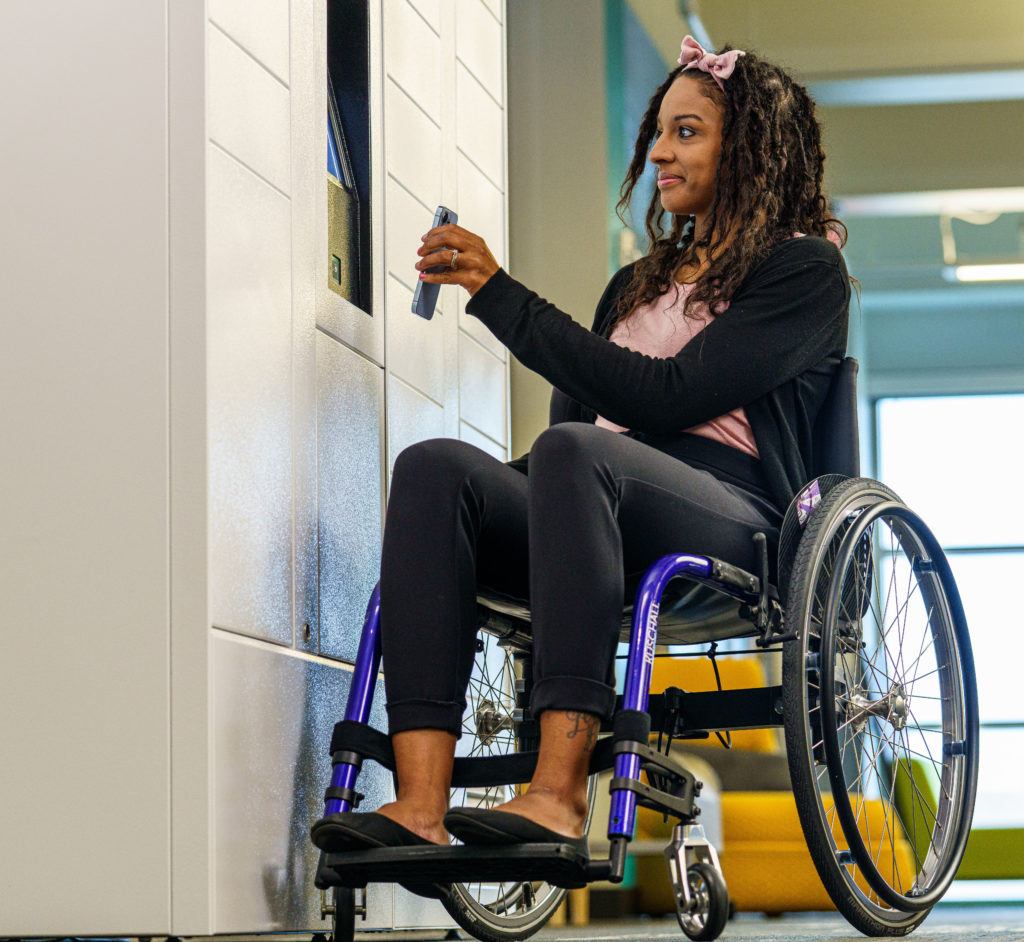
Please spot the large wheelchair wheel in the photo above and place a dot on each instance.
(880, 704)
(498, 687)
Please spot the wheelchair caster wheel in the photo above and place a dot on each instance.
(344, 917)
(708, 911)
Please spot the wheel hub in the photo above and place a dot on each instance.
(894, 707)
(490, 721)
(696, 916)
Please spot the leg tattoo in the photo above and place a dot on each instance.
(584, 724)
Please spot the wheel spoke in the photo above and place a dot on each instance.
(489, 729)
(893, 659)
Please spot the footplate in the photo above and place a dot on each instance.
(557, 864)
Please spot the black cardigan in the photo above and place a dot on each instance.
(773, 352)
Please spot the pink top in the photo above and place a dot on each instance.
(659, 329)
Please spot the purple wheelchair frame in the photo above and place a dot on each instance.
(643, 637)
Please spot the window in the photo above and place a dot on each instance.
(349, 271)
(955, 461)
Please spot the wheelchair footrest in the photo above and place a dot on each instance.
(558, 864)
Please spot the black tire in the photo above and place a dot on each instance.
(509, 911)
(711, 898)
(875, 723)
(344, 919)
(816, 782)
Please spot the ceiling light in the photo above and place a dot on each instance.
(1003, 272)
(1009, 199)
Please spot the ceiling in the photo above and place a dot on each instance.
(819, 40)
(918, 97)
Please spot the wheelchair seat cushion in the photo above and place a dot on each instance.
(690, 612)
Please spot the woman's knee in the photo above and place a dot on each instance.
(435, 458)
(569, 443)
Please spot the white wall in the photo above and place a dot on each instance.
(291, 364)
(198, 437)
(84, 671)
(558, 183)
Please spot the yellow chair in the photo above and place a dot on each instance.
(764, 856)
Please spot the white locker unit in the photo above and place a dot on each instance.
(202, 435)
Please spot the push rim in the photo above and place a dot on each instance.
(801, 684)
(489, 726)
(901, 725)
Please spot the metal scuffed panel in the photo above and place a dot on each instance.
(273, 713)
(412, 418)
(415, 345)
(250, 400)
(350, 414)
(481, 389)
(469, 434)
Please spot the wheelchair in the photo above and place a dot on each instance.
(877, 700)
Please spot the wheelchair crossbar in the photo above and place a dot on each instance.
(353, 743)
(692, 715)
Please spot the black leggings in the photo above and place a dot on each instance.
(596, 508)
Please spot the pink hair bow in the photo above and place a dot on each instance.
(693, 55)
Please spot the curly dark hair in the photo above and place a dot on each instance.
(768, 185)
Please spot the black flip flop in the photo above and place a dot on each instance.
(358, 830)
(364, 830)
(493, 827)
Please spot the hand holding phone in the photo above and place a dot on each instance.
(424, 298)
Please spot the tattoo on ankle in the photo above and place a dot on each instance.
(584, 724)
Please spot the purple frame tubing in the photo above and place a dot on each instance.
(643, 637)
(360, 696)
(639, 666)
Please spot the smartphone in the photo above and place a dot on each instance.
(425, 296)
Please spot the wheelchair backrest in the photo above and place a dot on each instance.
(836, 443)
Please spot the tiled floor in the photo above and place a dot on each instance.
(945, 924)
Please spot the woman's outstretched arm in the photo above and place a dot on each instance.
(790, 314)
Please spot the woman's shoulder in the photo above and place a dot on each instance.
(799, 248)
(803, 248)
(798, 259)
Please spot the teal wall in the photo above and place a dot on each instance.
(633, 70)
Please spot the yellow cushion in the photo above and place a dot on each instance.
(698, 674)
(765, 860)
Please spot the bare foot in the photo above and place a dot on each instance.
(426, 825)
(550, 809)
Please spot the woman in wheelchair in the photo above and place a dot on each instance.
(683, 420)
